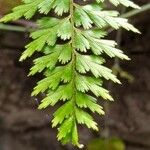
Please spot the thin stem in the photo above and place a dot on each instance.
(73, 66)
(136, 12)
(12, 28)
(73, 55)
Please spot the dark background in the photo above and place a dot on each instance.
(23, 127)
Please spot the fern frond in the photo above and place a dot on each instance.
(72, 62)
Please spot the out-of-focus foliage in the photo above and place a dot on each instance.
(106, 144)
(118, 71)
(7, 5)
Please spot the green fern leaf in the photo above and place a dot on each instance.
(72, 43)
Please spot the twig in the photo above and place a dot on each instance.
(136, 12)
(12, 28)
